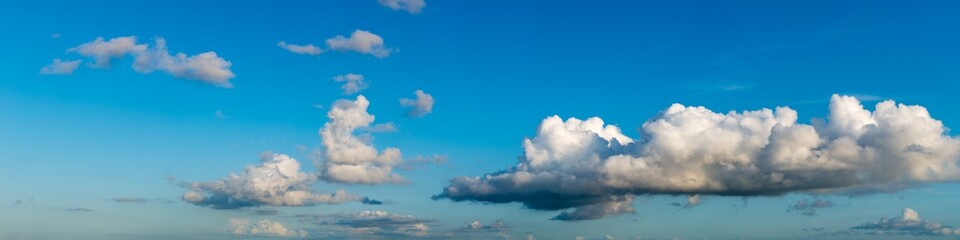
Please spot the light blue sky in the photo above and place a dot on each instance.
(495, 70)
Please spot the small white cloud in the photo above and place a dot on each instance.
(352, 83)
(264, 227)
(411, 6)
(60, 67)
(360, 41)
(419, 107)
(308, 49)
(206, 67)
(103, 51)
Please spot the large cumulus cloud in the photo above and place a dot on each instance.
(351, 158)
(276, 181)
(592, 166)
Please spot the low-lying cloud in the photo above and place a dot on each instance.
(908, 223)
(276, 181)
(594, 168)
(369, 224)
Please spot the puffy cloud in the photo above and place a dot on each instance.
(129, 200)
(206, 67)
(909, 222)
(103, 51)
(411, 6)
(360, 41)
(352, 83)
(692, 150)
(419, 107)
(372, 223)
(308, 49)
(264, 227)
(60, 67)
(276, 181)
(809, 208)
(477, 226)
(349, 158)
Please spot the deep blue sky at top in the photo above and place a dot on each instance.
(496, 69)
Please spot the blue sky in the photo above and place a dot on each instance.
(82, 140)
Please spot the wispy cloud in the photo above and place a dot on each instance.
(411, 6)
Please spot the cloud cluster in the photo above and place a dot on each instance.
(692, 150)
(411, 6)
(263, 227)
(419, 107)
(909, 222)
(373, 223)
(360, 41)
(60, 67)
(352, 83)
(276, 181)
(206, 67)
(808, 207)
(351, 158)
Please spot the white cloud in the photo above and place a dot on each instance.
(411, 6)
(264, 227)
(909, 222)
(308, 49)
(372, 223)
(103, 51)
(60, 67)
(419, 107)
(477, 226)
(692, 150)
(206, 67)
(360, 41)
(350, 159)
(276, 181)
(352, 83)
